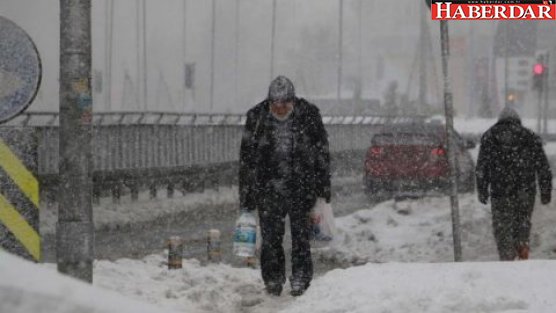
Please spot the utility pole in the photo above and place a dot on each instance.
(212, 44)
(423, 43)
(138, 56)
(340, 44)
(142, 73)
(452, 157)
(540, 85)
(144, 49)
(506, 31)
(236, 56)
(472, 100)
(360, 47)
(75, 230)
(184, 39)
(272, 39)
(546, 91)
(109, 35)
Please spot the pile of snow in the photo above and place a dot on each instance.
(27, 287)
(392, 287)
(489, 287)
(421, 231)
(508, 287)
(193, 288)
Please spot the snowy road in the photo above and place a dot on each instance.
(142, 238)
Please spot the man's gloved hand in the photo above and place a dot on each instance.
(244, 210)
(483, 198)
(323, 199)
(314, 218)
(545, 198)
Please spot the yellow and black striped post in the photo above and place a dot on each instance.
(19, 193)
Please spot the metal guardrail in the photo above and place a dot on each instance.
(131, 118)
(44, 118)
(128, 147)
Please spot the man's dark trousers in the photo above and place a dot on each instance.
(272, 216)
(511, 222)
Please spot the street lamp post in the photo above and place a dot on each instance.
(272, 39)
(75, 229)
(340, 44)
(109, 35)
(452, 157)
(212, 45)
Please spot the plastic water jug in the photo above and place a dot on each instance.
(245, 235)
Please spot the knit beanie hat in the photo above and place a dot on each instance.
(281, 89)
(509, 113)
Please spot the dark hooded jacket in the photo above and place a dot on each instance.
(511, 158)
(310, 155)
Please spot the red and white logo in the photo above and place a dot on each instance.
(493, 10)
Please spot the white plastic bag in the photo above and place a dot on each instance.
(324, 227)
(258, 240)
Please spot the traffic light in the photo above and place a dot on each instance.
(539, 73)
(511, 96)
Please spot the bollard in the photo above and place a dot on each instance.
(170, 190)
(134, 191)
(116, 193)
(152, 191)
(251, 261)
(175, 252)
(213, 246)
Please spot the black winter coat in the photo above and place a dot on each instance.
(511, 158)
(310, 160)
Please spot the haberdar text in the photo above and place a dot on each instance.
(492, 11)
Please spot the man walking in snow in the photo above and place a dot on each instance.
(511, 160)
(284, 167)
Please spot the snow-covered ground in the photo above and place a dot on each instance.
(385, 238)
(421, 231)
(26, 287)
(388, 237)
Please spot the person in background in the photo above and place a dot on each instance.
(511, 160)
(284, 167)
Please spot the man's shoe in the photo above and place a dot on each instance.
(299, 287)
(274, 288)
(523, 252)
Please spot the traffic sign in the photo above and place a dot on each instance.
(20, 70)
(19, 192)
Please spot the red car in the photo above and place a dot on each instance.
(411, 159)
